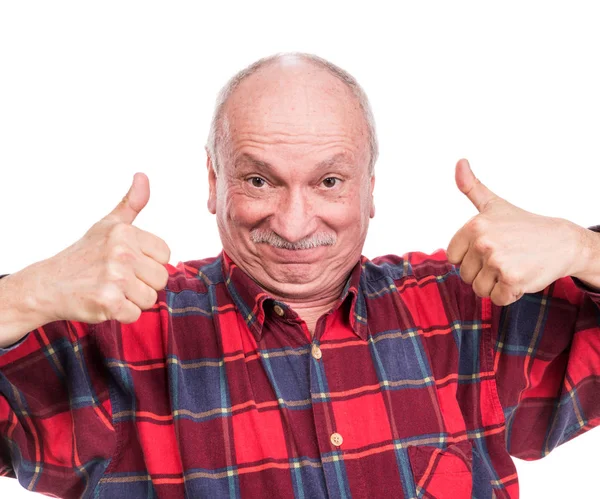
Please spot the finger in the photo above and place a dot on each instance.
(151, 272)
(470, 266)
(503, 295)
(128, 313)
(153, 246)
(133, 202)
(469, 185)
(458, 247)
(140, 294)
(484, 282)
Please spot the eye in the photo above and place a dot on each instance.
(257, 182)
(330, 182)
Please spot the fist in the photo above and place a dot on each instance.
(504, 251)
(113, 272)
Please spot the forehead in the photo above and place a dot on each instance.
(295, 103)
(341, 159)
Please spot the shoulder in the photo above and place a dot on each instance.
(186, 304)
(195, 275)
(415, 264)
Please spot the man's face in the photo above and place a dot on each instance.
(293, 196)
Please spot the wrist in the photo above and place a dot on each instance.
(587, 257)
(16, 318)
(32, 299)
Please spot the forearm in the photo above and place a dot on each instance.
(589, 269)
(21, 310)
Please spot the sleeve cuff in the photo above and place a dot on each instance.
(587, 289)
(14, 345)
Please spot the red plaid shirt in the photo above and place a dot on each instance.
(412, 386)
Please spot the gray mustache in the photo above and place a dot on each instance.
(269, 237)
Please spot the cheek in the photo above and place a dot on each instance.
(342, 215)
(355, 207)
(240, 210)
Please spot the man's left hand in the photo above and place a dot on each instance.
(505, 251)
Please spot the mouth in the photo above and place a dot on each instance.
(292, 256)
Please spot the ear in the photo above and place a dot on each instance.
(212, 186)
(372, 213)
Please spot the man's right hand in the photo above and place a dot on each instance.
(113, 272)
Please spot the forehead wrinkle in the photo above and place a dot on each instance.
(339, 158)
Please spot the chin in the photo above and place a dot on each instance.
(293, 274)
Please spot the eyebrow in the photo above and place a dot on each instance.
(334, 160)
(248, 158)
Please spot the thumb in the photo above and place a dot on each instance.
(469, 185)
(133, 202)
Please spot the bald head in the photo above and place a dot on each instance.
(291, 156)
(291, 93)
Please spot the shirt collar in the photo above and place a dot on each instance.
(250, 298)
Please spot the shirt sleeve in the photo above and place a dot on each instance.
(56, 431)
(547, 366)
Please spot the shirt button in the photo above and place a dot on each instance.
(336, 439)
(317, 354)
(278, 310)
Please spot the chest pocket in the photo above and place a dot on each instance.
(442, 474)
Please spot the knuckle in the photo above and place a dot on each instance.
(498, 298)
(499, 302)
(482, 245)
(476, 225)
(506, 296)
(465, 275)
(122, 253)
(494, 263)
(164, 251)
(151, 299)
(110, 301)
(115, 276)
(164, 277)
(452, 257)
(136, 315)
(509, 277)
(479, 290)
(131, 316)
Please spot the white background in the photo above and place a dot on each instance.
(90, 93)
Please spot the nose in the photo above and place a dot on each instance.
(294, 219)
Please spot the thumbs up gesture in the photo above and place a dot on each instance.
(504, 251)
(113, 272)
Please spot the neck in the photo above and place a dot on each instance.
(312, 315)
(311, 310)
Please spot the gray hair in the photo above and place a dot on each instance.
(219, 132)
(314, 241)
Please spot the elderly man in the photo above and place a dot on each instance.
(290, 365)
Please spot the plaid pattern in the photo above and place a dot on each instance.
(212, 393)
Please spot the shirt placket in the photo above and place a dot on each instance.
(330, 441)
